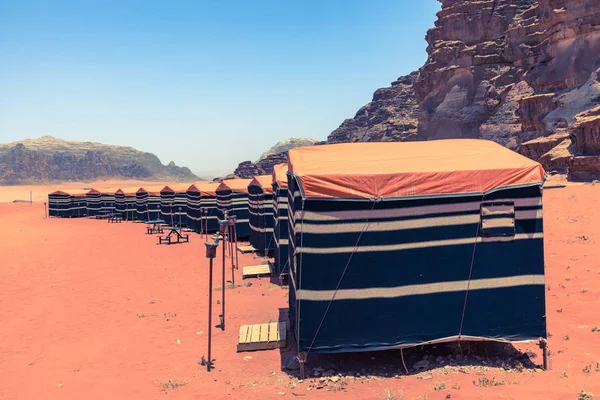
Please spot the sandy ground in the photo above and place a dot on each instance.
(99, 311)
(39, 193)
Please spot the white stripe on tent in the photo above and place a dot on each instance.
(398, 225)
(422, 289)
(417, 245)
(407, 211)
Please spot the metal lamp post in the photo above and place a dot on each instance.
(233, 239)
(211, 253)
(223, 232)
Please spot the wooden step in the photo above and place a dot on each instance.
(256, 270)
(246, 249)
(262, 336)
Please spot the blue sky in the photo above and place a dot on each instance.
(207, 84)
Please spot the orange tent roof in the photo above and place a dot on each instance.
(205, 188)
(141, 190)
(93, 191)
(167, 189)
(410, 169)
(60, 192)
(263, 181)
(119, 192)
(280, 175)
(237, 185)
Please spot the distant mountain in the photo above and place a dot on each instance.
(284, 146)
(275, 155)
(51, 159)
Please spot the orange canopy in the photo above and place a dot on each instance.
(237, 185)
(280, 175)
(264, 181)
(410, 169)
(208, 189)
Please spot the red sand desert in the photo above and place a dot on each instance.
(92, 310)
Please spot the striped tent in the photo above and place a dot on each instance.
(130, 206)
(59, 204)
(400, 244)
(202, 196)
(173, 206)
(120, 207)
(260, 210)
(78, 205)
(107, 200)
(93, 203)
(141, 205)
(280, 219)
(232, 198)
(147, 205)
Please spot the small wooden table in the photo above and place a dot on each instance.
(175, 235)
(154, 226)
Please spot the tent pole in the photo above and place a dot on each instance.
(544, 347)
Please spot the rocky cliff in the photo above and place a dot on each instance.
(523, 73)
(275, 155)
(51, 159)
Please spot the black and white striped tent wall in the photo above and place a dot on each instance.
(173, 206)
(256, 238)
(154, 206)
(202, 206)
(130, 206)
(120, 207)
(93, 205)
(59, 204)
(379, 273)
(232, 198)
(78, 205)
(260, 210)
(280, 219)
(193, 208)
(107, 199)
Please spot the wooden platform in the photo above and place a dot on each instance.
(256, 270)
(246, 249)
(262, 336)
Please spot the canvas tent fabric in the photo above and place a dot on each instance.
(280, 219)
(130, 206)
(107, 201)
(410, 169)
(59, 204)
(78, 205)
(147, 205)
(120, 207)
(93, 200)
(232, 198)
(201, 199)
(374, 273)
(173, 206)
(260, 209)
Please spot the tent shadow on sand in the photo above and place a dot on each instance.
(417, 359)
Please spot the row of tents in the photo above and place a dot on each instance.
(391, 245)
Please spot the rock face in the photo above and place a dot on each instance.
(276, 155)
(51, 159)
(248, 169)
(391, 116)
(282, 147)
(522, 73)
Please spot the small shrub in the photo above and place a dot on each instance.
(440, 386)
(172, 384)
(585, 396)
(566, 337)
(559, 310)
(595, 328)
(587, 369)
(564, 375)
(485, 382)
